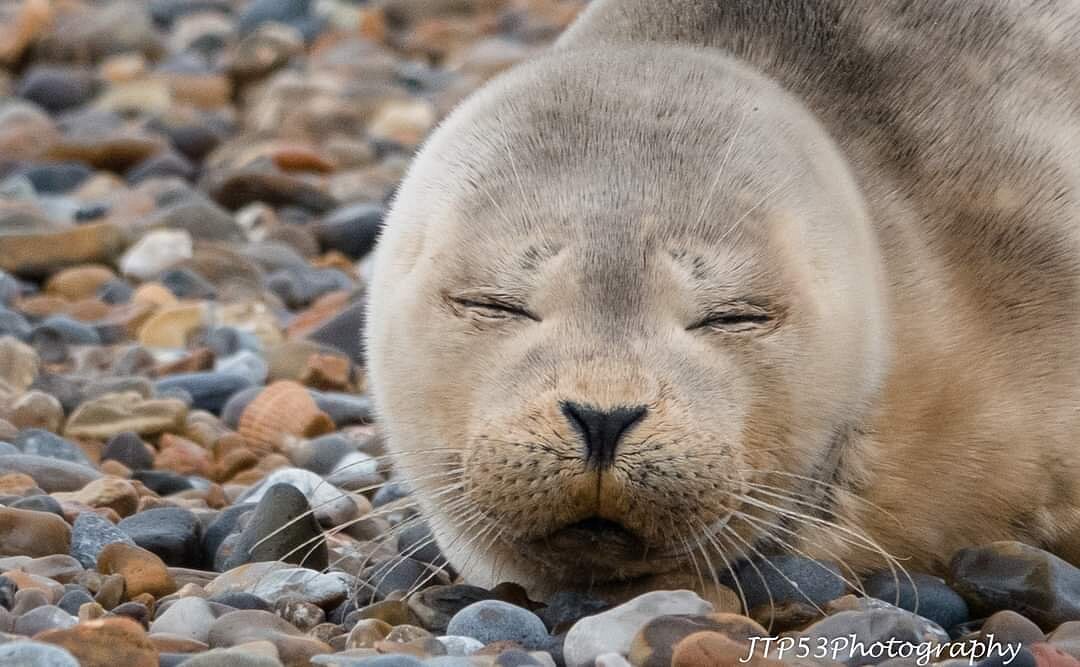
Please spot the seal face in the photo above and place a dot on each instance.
(638, 308)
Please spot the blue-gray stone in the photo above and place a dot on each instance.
(9, 288)
(90, 534)
(56, 89)
(790, 579)
(351, 229)
(234, 407)
(57, 178)
(67, 330)
(129, 449)
(116, 291)
(345, 409)
(173, 533)
(35, 654)
(163, 482)
(40, 503)
(928, 596)
(224, 341)
(493, 620)
(40, 442)
(72, 600)
(8, 448)
(187, 284)
(14, 324)
(341, 332)
(248, 364)
(209, 390)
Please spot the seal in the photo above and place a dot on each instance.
(710, 280)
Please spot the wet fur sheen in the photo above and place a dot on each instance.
(894, 182)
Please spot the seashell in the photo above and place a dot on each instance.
(285, 408)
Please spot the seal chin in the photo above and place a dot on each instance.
(594, 549)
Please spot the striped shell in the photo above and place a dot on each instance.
(285, 408)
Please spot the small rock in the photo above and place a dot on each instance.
(189, 617)
(209, 390)
(282, 527)
(174, 534)
(129, 449)
(1009, 627)
(56, 88)
(143, 572)
(332, 506)
(240, 627)
(50, 474)
(107, 642)
(38, 410)
(790, 578)
(40, 619)
(108, 492)
(613, 631)
(43, 443)
(111, 414)
(28, 533)
(302, 584)
(654, 643)
(492, 621)
(155, 252)
(35, 654)
(351, 229)
(923, 594)
(877, 622)
(435, 606)
(1012, 575)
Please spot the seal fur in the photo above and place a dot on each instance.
(829, 249)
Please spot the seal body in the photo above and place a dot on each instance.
(715, 279)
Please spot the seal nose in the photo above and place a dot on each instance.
(601, 429)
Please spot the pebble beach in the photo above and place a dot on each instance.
(191, 472)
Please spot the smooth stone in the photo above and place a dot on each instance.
(320, 455)
(298, 287)
(14, 325)
(878, 622)
(928, 596)
(351, 229)
(29, 533)
(36, 409)
(35, 654)
(174, 534)
(238, 657)
(185, 283)
(113, 493)
(116, 291)
(240, 627)
(155, 252)
(42, 252)
(613, 631)
(655, 644)
(1067, 638)
(247, 364)
(163, 482)
(435, 606)
(258, 12)
(1022, 578)
(281, 527)
(199, 217)
(301, 584)
(1009, 627)
(790, 578)
(143, 572)
(398, 574)
(235, 406)
(63, 329)
(48, 617)
(332, 506)
(341, 660)
(417, 542)
(339, 332)
(167, 164)
(345, 409)
(39, 504)
(39, 442)
(241, 600)
(219, 529)
(106, 642)
(128, 448)
(568, 607)
(56, 89)
(209, 390)
(19, 365)
(458, 645)
(58, 177)
(105, 416)
(74, 599)
(493, 620)
(189, 617)
(50, 474)
(90, 534)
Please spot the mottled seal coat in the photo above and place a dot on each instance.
(713, 279)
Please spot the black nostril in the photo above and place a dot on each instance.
(601, 429)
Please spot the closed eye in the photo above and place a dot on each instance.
(737, 319)
(490, 308)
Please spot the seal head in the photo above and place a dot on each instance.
(612, 328)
